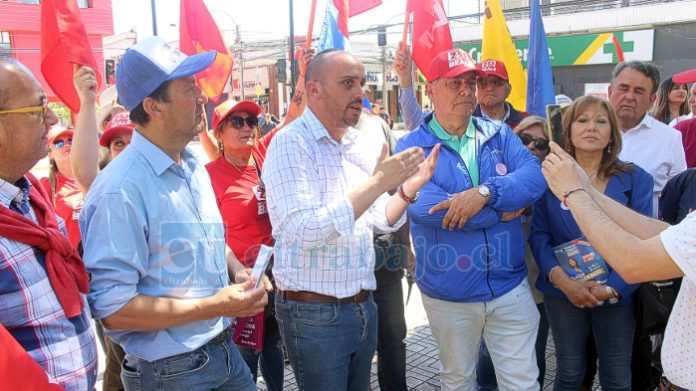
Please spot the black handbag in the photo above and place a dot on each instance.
(654, 302)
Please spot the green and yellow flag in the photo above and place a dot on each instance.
(498, 45)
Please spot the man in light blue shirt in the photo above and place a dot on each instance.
(154, 239)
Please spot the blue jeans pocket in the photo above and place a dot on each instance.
(184, 364)
(315, 313)
(130, 377)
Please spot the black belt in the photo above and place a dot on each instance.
(666, 385)
(311, 297)
(226, 334)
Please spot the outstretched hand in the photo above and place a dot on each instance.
(562, 172)
(413, 184)
(392, 171)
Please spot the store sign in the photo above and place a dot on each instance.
(375, 78)
(585, 49)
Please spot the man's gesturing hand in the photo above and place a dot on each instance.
(392, 171)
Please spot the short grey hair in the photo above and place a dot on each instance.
(646, 68)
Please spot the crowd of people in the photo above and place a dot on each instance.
(475, 201)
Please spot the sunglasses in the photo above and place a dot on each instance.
(493, 81)
(238, 122)
(541, 144)
(58, 144)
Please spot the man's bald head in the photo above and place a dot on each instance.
(11, 72)
(318, 68)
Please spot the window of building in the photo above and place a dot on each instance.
(83, 3)
(5, 44)
(30, 1)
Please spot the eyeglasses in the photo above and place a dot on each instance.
(237, 122)
(493, 81)
(43, 109)
(541, 144)
(457, 83)
(58, 144)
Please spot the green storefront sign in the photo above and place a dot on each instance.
(585, 49)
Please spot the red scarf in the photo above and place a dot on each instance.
(64, 267)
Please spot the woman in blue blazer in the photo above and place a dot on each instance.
(574, 307)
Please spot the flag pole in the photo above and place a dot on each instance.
(404, 35)
(308, 40)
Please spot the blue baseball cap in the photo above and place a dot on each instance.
(151, 62)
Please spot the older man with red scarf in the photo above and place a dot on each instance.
(42, 278)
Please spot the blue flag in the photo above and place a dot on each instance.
(331, 36)
(539, 76)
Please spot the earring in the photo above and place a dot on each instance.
(221, 148)
(609, 148)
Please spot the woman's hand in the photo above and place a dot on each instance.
(579, 293)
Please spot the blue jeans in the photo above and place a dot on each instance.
(330, 345)
(485, 372)
(612, 326)
(272, 360)
(215, 365)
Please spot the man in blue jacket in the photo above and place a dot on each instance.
(467, 235)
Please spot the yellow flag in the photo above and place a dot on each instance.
(498, 45)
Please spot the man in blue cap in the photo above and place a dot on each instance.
(154, 239)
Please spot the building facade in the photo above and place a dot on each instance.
(20, 32)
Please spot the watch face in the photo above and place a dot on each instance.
(483, 190)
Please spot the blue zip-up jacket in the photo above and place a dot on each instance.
(552, 226)
(485, 259)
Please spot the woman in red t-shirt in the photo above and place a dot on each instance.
(65, 193)
(241, 197)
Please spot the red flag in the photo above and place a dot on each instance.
(343, 7)
(357, 7)
(64, 44)
(18, 370)
(431, 32)
(198, 33)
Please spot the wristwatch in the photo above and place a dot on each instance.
(406, 198)
(485, 192)
(613, 295)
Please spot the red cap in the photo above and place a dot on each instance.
(58, 130)
(685, 77)
(119, 123)
(224, 109)
(494, 68)
(451, 63)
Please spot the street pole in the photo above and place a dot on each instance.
(292, 51)
(385, 95)
(241, 62)
(154, 18)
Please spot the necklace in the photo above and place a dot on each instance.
(236, 167)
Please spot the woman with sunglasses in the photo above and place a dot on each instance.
(60, 184)
(576, 306)
(671, 101)
(236, 179)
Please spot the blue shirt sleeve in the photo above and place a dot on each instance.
(410, 108)
(114, 232)
(540, 238)
(524, 182)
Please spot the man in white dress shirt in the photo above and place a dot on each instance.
(326, 194)
(639, 249)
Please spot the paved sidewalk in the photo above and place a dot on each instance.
(422, 364)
